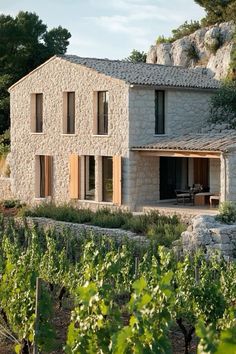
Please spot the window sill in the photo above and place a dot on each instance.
(67, 134)
(158, 135)
(94, 201)
(101, 135)
(35, 133)
(43, 199)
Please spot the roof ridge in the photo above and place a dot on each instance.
(123, 61)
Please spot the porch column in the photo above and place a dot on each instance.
(228, 177)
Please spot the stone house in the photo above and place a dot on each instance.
(104, 132)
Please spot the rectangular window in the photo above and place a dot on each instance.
(102, 113)
(159, 112)
(45, 176)
(89, 177)
(107, 179)
(70, 113)
(38, 113)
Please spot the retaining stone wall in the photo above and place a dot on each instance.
(79, 229)
(207, 233)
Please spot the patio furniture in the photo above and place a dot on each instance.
(183, 196)
(214, 200)
(201, 199)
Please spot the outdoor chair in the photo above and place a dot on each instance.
(183, 196)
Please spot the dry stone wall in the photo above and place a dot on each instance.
(210, 235)
(80, 229)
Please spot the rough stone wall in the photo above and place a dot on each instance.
(6, 188)
(230, 172)
(144, 181)
(80, 229)
(52, 79)
(186, 111)
(206, 233)
(219, 36)
(214, 175)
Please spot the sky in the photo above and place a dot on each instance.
(109, 28)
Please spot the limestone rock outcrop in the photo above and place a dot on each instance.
(209, 47)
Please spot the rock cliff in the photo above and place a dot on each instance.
(209, 47)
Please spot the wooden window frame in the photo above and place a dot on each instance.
(87, 176)
(36, 117)
(102, 129)
(68, 120)
(44, 165)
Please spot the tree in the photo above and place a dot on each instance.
(25, 44)
(223, 105)
(137, 57)
(217, 10)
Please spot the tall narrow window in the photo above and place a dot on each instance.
(38, 112)
(70, 113)
(45, 176)
(89, 177)
(159, 112)
(107, 179)
(102, 118)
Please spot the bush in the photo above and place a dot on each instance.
(11, 203)
(106, 218)
(192, 53)
(61, 213)
(164, 234)
(185, 29)
(215, 45)
(162, 39)
(227, 213)
(5, 143)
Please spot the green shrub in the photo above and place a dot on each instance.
(185, 29)
(106, 218)
(227, 213)
(5, 143)
(162, 39)
(215, 45)
(164, 234)
(11, 203)
(61, 213)
(192, 53)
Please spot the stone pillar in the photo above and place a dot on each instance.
(230, 176)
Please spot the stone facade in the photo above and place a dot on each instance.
(186, 111)
(52, 79)
(131, 122)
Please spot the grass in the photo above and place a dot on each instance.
(162, 229)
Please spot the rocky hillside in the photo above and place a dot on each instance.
(209, 47)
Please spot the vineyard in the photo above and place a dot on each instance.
(121, 297)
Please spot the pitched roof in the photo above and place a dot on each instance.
(148, 74)
(221, 142)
